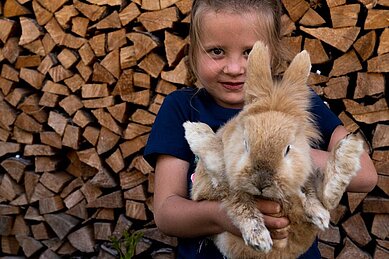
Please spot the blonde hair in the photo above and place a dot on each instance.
(271, 9)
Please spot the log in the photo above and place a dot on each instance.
(336, 88)
(82, 119)
(103, 179)
(129, 180)
(7, 26)
(376, 19)
(107, 140)
(378, 64)
(379, 227)
(50, 204)
(352, 250)
(13, 8)
(174, 47)
(379, 140)
(119, 112)
(9, 245)
(55, 181)
(61, 223)
(15, 167)
(152, 22)
(381, 161)
(356, 230)
(330, 235)
(102, 230)
(152, 64)
(116, 161)
(83, 239)
(296, 9)
(136, 210)
(376, 205)
(73, 199)
(112, 200)
(57, 122)
(346, 64)
(383, 183)
(90, 191)
(311, 18)
(355, 199)
(29, 245)
(369, 84)
(129, 13)
(344, 15)
(383, 42)
(340, 38)
(27, 61)
(40, 231)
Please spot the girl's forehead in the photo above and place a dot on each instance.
(247, 18)
(231, 23)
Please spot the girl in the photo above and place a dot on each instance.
(222, 34)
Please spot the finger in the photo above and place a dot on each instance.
(280, 243)
(279, 233)
(268, 206)
(275, 223)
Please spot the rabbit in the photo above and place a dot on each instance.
(264, 151)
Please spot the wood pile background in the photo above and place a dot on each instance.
(81, 82)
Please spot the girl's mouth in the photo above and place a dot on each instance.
(232, 85)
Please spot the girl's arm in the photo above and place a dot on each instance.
(176, 215)
(365, 180)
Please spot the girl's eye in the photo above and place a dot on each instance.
(216, 52)
(247, 52)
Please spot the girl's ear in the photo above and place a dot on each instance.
(259, 79)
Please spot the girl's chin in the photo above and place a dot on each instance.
(234, 103)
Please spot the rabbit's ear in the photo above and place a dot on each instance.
(259, 79)
(298, 71)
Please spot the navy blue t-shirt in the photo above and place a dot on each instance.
(167, 137)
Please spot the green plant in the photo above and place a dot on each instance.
(126, 245)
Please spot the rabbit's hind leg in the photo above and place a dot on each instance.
(343, 164)
(314, 210)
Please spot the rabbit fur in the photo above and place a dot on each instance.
(264, 151)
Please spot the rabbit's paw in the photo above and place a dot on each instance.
(344, 166)
(257, 236)
(321, 218)
(206, 145)
(199, 136)
(316, 213)
(347, 155)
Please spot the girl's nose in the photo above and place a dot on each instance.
(235, 66)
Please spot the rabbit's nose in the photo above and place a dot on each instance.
(263, 185)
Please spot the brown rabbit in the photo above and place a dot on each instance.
(264, 151)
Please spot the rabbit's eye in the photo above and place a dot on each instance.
(246, 145)
(287, 150)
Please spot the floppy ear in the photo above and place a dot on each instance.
(259, 79)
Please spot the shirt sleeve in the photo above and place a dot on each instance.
(325, 119)
(167, 134)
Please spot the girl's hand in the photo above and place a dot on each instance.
(274, 221)
(277, 224)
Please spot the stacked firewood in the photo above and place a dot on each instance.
(81, 82)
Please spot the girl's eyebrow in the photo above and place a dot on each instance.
(211, 45)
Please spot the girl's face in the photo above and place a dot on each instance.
(226, 40)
